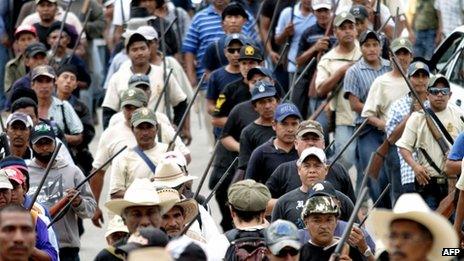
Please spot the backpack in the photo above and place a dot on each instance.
(246, 245)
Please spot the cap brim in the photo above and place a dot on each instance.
(250, 58)
(135, 103)
(135, 84)
(300, 160)
(281, 118)
(320, 6)
(173, 183)
(42, 137)
(127, 248)
(303, 132)
(277, 247)
(49, 75)
(401, 47)
(263, 95)
(344, 20)
(8, 123)
(138, 122)
(418, 69)
(443, 233)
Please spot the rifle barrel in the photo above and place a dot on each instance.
(63, 22)
(281, 55)
(63, 211)
(76, 44)
(384, 192)
(205, 173)
(274, 16)
(313, 60)
(45, 175)
(166, 81)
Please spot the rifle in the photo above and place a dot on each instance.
(377, 17)
(281, 55)
(211, 194)
(60, 208)
(336, 254)
(163, 50)
(166, 81)
(326, 102)
(68, 8)
(313, 60)
(355, 134)
(384, 192)
(76, 44)
(45, 175)
(205, 173)
(4, 140)
(184, 117)
(274, 16)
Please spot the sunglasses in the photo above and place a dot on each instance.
(233, 50)
(436, 91)
(288, 251)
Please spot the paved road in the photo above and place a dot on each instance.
(93, 239)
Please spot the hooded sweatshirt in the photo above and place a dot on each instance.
(63, 175)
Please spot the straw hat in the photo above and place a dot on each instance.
(411, 206)
(169, 174)
(189, 206)
(116, 224)
(140, 193)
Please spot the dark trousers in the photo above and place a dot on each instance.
(434, 192)
(69, 254)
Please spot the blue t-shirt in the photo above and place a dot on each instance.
(219, 79)
(457, 150)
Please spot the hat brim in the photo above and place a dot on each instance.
(282, 118)
(303, 132)
(49, 75)
(263, 95)
(173, 182)
(435, 80)
(250, 58)
(277, 247)
(344, 20)
(442, 231)
(6, 185)
(135, 84)
(36, 139)
(320, 6)
(190, 207)
(135, 103)
(253, 71)
(396, 49)
(418, 69)
(138, 122)
(117, 206)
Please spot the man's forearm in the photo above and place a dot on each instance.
(189, 59)
(230, 144)
(329, 84)
(407, 156)
(40, 255)
(453, 167)
(74, 139)
(96, 184)
(219, 122)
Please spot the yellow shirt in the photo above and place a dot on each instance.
(417, 135)
(329, 64)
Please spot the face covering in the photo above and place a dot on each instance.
(42, 157)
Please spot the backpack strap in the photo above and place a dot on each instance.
(440, 125)
(145, 158)
(66, 129)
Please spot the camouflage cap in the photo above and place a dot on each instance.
(43, 70)
(418, 66)
(320, 205)
(310, 126)
(342, 17)
(135, 97)
(142, 115)
(401, 43)
(248, 195)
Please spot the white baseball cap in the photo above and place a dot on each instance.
(319, 4)
(319, 153)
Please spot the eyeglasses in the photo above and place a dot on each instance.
(288, 251)
(436, 91)
(233, 50)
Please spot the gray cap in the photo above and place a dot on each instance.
(135, 97)
(342, 17)
(142, 115)
(139, 79)
(248, 195)
(281, 234)
(401, 43)
(43, 70)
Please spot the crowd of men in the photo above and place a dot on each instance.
(330, 134)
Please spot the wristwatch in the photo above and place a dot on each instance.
(368, 252)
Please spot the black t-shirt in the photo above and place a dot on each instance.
(252, 137)
(290, 205)
(268, 10)
(106, 255)
(285, 178)
(309, 252)
(265, 159)
(218, 80)
(42, 32)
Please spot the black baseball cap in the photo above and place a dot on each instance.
(359, 12)
(145, 237)
(234, 9)
(40, 131)
(368, 34)
(250, 52)
(34, 49)
(259, 70)
(323, 188)
(68, 29)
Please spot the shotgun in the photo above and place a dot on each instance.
(78, 41)
(384, 192)
(313, 60)
(63, 22)
(205, 173)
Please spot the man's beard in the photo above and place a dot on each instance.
(42, 157)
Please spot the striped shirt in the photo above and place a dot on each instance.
(358, 80)
(206, 28)
(398, 110)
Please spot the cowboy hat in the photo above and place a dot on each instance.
(140, 193)
(188, 205)
(411, 206)
(169, 174)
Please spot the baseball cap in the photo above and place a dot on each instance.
(71, 68)
(234, 9)
(135, 97)
(401, 43)
(148, 32)
(250, 52)
(142, 115)
(13, 161)
(319, 4)
(4, 181)
(359, 12)
(134, 36)
(19, 116)
(42, 130)
(281, 234)
(34, 49)
(14, 174)
(438, 77)
(235, 38)
(262, 89)
(320, 205)
(25, 29)
(418, 66)
(108, 3)
(43, 70)
(310, 126)
(68, 29)
(259, 70)
(145, 237)
(248, 195)
(368, 34)
(342, 17)
(323, 188)
(116, 224)
(51, 1)
(314, 151)
(284, 110)
(139, 79)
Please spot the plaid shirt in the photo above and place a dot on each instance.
(400, 109)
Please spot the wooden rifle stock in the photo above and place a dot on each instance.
(53, 210)
(447, 205)
(437, 134)
(321, 107)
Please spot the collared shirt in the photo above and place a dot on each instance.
(358, 80)
(65, 117)
(300, 23)
(206, 27)
(265, 159)
(398, 110)
(14, 70)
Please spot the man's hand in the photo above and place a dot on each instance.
(186, 137)
(97, 218)
(70, 194)
(322, 44)
(274, 56)
(421, 174)
(289, 30)
(357, 239)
